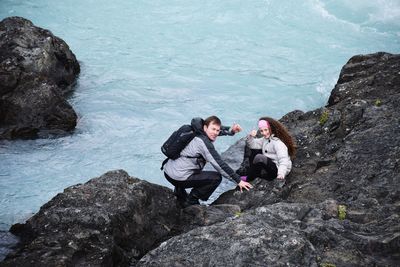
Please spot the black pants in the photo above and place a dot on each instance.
(262, 167)
(203, 183)
(247, 162)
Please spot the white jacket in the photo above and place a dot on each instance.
(274, 149)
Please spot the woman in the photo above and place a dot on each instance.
(277, 150)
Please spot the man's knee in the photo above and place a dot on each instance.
(218, 178)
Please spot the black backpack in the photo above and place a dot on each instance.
(178, 140)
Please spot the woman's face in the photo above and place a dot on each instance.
(265, 132)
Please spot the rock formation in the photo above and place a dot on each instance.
(37, 70)
(110, 220)
(348, 155)
(340, 206)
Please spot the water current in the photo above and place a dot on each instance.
(149, 66)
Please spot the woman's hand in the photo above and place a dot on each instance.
(280, 177)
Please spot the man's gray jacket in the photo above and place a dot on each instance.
(195, 155)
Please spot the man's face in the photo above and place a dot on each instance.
(212, 131)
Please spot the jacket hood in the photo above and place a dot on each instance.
(197, 124)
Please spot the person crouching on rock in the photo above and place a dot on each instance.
(277, 150)
(187, 170)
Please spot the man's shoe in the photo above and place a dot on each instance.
(180, 193)
(190, 201)
(193, 200)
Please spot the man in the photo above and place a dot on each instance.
(187, 170)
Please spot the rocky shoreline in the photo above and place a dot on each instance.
(340, 206)
(37, 71)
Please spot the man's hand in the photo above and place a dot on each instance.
(236, 128)
(244, 185)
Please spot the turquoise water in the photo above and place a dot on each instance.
(150, 66)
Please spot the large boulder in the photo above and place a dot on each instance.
(112, 219)
(37, 70)
(282, 234)
(350, 149)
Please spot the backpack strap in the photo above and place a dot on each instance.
(163, 163)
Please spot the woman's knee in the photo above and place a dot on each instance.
(260, 158)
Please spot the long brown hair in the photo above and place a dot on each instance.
(282, 133)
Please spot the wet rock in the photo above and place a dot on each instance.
(37, 70)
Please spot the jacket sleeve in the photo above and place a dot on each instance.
(211, 155)
(226, 130)
(254, 143)
(282, 157)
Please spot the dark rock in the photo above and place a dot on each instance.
(37, 70)
(272, 235)
(260, 237)
(112, 219)
(263, 193)
(199, 215)
(7, 242)
(281, 234)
